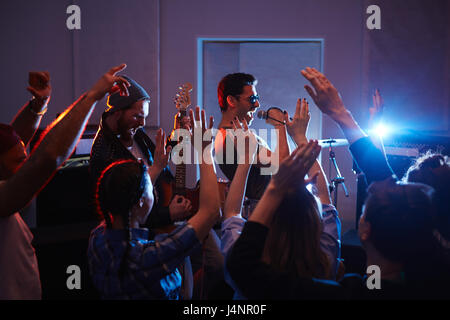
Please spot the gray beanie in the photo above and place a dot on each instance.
(117, 102)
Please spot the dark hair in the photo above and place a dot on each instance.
(400, 219)
(118, 189)
(293, 242)
(433, 169)
(232, 85)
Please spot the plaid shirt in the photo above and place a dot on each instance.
(151, 266)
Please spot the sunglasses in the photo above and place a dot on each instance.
(253, 98)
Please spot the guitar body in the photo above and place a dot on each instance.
(169, 192)
(192, 194)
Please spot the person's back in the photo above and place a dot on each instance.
(144, 277)
(397, 226)
(19, 272)
(433, 169)
(123, 262)
(293, 241)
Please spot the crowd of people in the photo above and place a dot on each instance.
(274, 236)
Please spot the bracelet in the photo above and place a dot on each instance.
(40, 113)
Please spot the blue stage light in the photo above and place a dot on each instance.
(381, 130)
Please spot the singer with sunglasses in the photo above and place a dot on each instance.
(239, 100)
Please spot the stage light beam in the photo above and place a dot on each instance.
(382, 130)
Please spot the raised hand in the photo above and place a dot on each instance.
(198, 127)
(325, 95)
(161, 154)
(290, 176)
(297, 127)
(246, 143)
(39, 85)
(292, 171)
(110, 83)
(328, 100)
(376, 111)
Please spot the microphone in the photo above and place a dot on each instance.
(261, 114)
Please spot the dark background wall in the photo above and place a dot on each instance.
(158, 41)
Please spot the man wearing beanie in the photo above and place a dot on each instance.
(121, 136)
(22, 177)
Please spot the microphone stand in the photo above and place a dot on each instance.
(269, 117)
(265, 115)
(339, 179)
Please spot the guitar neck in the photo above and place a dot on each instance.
(182, 102)
(180, 169)
(180, 179)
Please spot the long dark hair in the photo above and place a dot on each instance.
(118, 189)
(293, 242)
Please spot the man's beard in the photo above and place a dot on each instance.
(126, 133)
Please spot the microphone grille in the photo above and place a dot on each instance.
(261, 114)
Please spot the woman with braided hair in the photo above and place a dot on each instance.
(124, 197)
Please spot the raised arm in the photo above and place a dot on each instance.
(58, 142)
(297, 128)
(246, 156)
(209, 207)
(375, 116)
(27, 120)
(328, 100)
(267, 157)
(370, 159)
